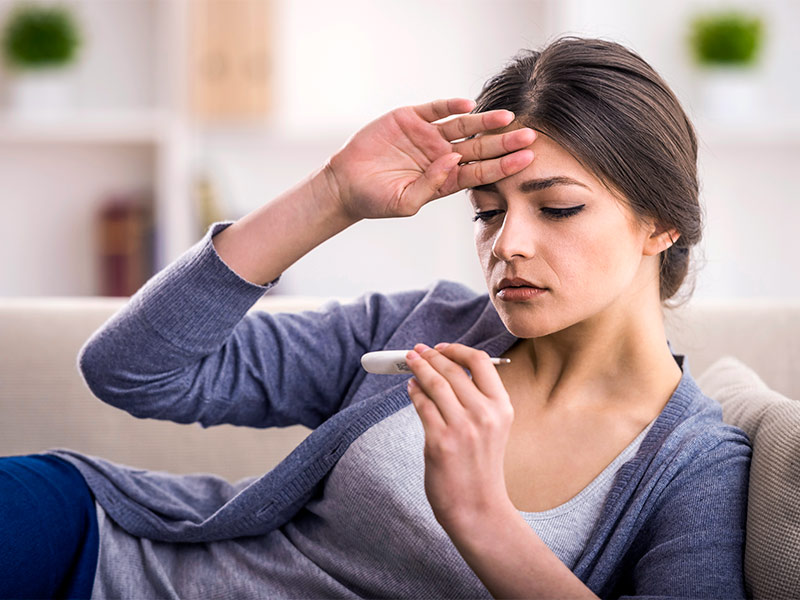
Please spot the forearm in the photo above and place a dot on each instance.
(512, 561)
(265, 242)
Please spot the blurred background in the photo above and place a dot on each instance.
(127, 126)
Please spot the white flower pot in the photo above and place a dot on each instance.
(40, 92)
(729, 94)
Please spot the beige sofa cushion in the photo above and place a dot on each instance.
(44, 402)
(772, 553)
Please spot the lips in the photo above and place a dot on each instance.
(517, 282)
(517, 289)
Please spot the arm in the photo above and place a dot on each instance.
(690, 547)
(467, 420)
(391, 168)
(180, 353)
(182, 348)
(510, 559)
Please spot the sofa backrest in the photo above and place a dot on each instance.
(763, 334)
(44, 402)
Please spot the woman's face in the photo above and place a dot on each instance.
(557, 247)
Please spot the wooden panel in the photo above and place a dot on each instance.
(229, 59)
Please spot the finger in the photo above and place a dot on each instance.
(428, 185)
(439, 109)
(469, 125)
(484, 373)
(426, 408)
(491, 146)
(488, 171)
(463, 386)
(437, 388)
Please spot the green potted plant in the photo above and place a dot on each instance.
(40, 42)
(726, 47)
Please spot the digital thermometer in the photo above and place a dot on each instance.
(393, 362)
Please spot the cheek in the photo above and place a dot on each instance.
(589, 258)
(605, 259)
(483, 247)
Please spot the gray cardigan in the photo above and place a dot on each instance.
(184, 349)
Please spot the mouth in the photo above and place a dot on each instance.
(518, 289)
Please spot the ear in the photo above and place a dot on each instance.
(660, 239)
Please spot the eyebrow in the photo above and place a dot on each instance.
(534, 185)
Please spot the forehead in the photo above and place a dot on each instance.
(552, 166)
(551, 160)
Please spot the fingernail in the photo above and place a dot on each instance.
(412, 384)
(421, 348)
(453, 162)
(441, 345)
(411, 355)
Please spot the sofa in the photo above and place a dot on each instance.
(745, 354)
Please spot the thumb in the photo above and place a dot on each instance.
(427, 186)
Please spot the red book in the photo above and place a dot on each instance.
(124, 238)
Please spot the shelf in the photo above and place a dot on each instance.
(142, 126)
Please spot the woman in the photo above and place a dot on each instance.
(591, 465)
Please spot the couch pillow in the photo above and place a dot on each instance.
(772, 421)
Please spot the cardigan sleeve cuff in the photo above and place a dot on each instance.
(197, 300)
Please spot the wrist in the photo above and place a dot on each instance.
(511, 559)
(327, 193)
(265, 242)
(467, 523)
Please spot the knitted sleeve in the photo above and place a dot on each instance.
(184, 348)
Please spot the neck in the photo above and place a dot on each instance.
(618, 354)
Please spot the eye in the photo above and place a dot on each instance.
(562, 213)
(486, 215)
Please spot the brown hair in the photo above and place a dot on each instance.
(607, 107)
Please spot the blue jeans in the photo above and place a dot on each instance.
(48, 529)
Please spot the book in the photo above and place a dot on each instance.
(125, 243)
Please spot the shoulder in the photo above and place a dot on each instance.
(442, 300)
(454, 312)
(702, 462)
(703, 432)
(453, 297)
(444, 310)
(690, 445)
(691, 423)
(440, 292)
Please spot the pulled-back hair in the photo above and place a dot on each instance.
(608, 108)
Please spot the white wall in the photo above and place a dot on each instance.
(340, 64)
(54, 174)
(43, 230)
(746, 168)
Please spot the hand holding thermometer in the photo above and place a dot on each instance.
(393, 362)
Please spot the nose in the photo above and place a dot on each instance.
(515, 238)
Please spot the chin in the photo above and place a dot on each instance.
(527, 331)
(528, 323)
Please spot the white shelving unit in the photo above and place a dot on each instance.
(116, 127)
(132, 120)
(128, 119)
